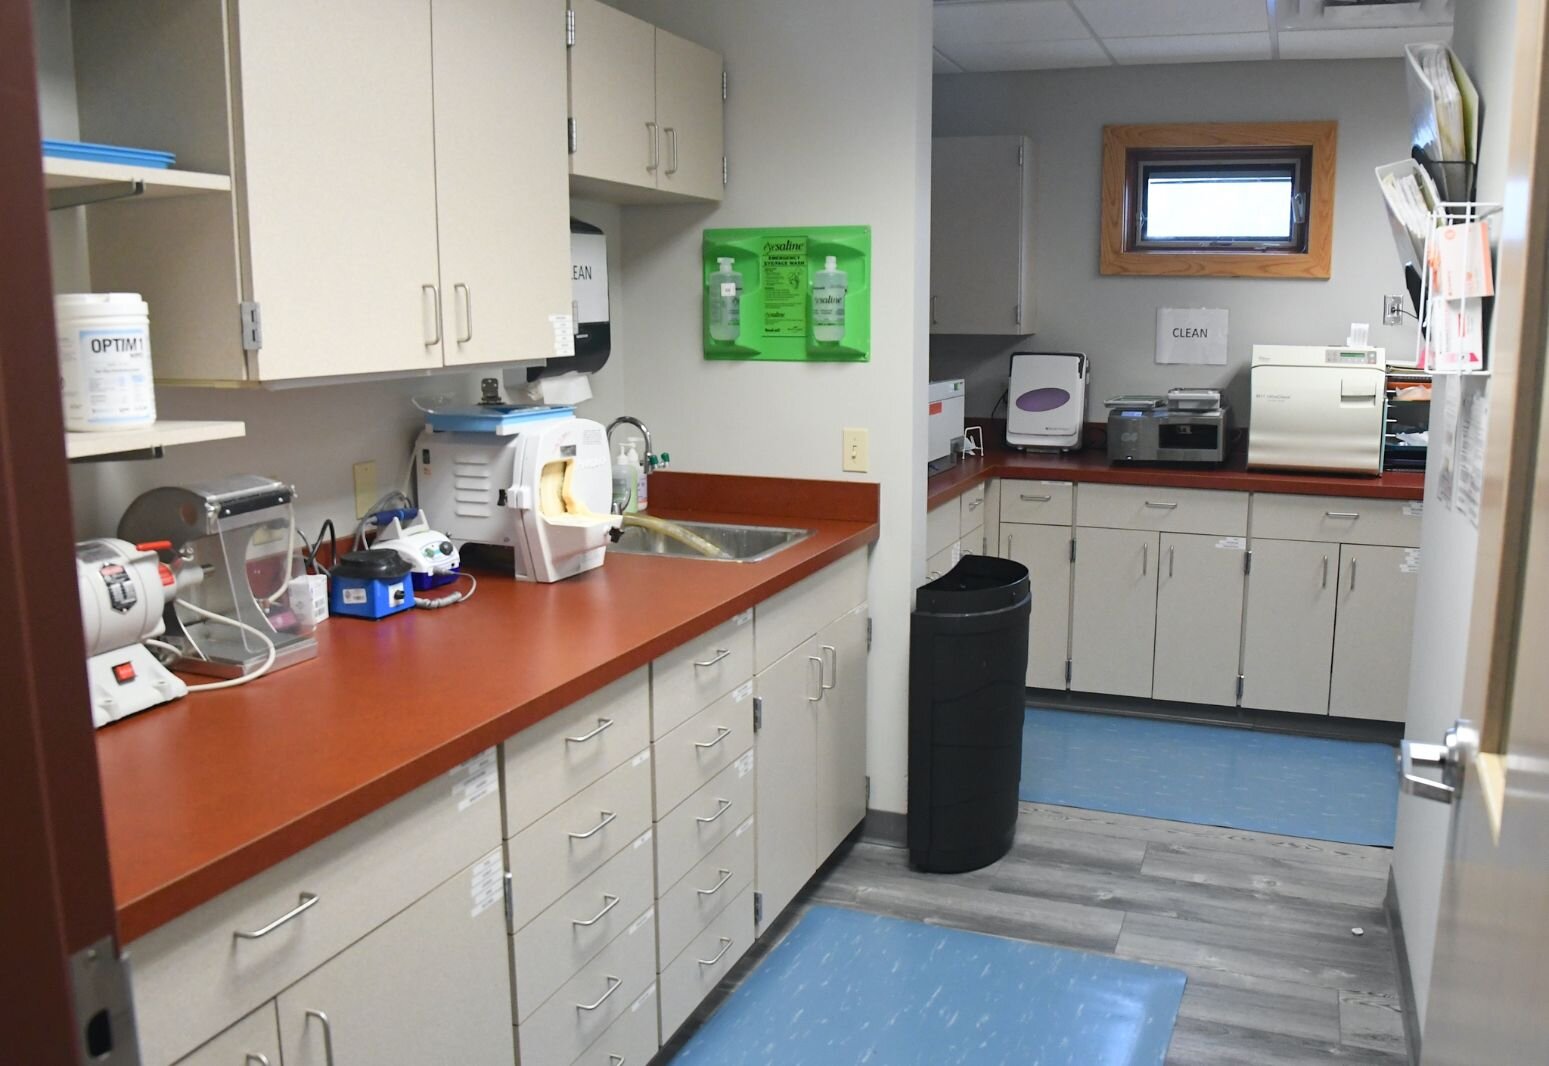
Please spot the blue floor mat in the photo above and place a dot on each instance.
(1338, 790)
(848, 988)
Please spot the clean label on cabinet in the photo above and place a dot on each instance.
(476, 778)
(1411, 563)
(487, 883)
(1233, 543)
(564, 335)
(745, 764)
(743, 691)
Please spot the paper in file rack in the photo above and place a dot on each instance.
(1444, 117)
(1410, 198)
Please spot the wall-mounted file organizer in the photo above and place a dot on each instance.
(1444, 119)
(776, 301)
(1458, 284)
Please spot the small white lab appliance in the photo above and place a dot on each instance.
(124, 591)
(432, 559)
(542, 490)
(944, 420)
(1317, 408)
(1046, 401)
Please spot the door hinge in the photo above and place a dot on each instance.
(252, 314)
(569, 27)
(1247, 561)
(725, 173)
(1020, 149)
(758, 908)
(868, 791)
(510, 900)
(758, 713)
(1239, 688)
(570, 134)
(1019, 314)
(868, 632)
(723, 83)
(1072, 549)
(104, 1005)
(1067, 671)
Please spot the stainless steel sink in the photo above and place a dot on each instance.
(742, 544)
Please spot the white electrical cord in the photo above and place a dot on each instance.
(164, 646)
(456, 597)
(381, 504)
(211, 616)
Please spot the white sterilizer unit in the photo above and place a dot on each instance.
(1317, 408)
(1046, 400)
(944, 419)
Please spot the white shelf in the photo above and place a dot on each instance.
(158, 435)
(80, 174)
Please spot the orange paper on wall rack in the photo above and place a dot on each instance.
(1460, 261)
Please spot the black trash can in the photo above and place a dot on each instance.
(967, 684)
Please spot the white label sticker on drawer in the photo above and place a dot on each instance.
(744, 618)
(644, 756)
(564, 335)
(1411, 563)
(1414, 509)
(475, 779)
(745, 764)
(643, 839)
(646, 917)
(643, 1001)
(1233, 543)
(487, 883)
(744, 827)
(352, 595)
(742, 692)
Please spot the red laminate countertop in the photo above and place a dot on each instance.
(203, 793)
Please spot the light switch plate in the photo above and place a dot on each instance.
(857, 451)
(365, 487)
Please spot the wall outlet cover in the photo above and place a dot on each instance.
(365, 487)
(857, 451)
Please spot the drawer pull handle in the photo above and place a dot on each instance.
(725, 877)
(1162, 506)
(308, 901)
(721, 733)
(831, 677)
(616, 1060)
(607, 816)
(720, 653)
(973, 505)
(724, 806)
(1352, 515)
(327, 1034)
(253, 1056)
(614, 984)
(1035, 499)
(719, 955)
(602, 725)
(608, 903)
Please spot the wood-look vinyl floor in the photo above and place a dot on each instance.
(1261, 924)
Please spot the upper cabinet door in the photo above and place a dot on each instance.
(689, 111)
(981, 268)
(502, 185)
(613, 97)
(337, 171)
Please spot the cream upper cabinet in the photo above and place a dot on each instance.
(1198, 618)
(646, 110)
(1288, 627)
(1373, 625)
(502, 197)
(1113, 618)
(981, 235)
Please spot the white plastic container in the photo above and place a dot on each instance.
(725, 301)
(828, 290)
(105, 360)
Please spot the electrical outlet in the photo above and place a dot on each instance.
(857, 451)
(1393, 309)
(365, 487)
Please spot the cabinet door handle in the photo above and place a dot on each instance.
(821, 688)
(720, 653)
(1011, 550)
(608, 903)
(1145, 559)
(327, 1033)
(1325, 571)
(719, 955)
(616, 1060)
(607, 816)
(725, 877)
(1342, 514)
(722, 806)
(1035, 499)
(830, 650)
(721, 733)
(672, 149)
(254, 1056)
(1352, 575)
(614, 984)
(308, 901)
(465, 312)
(603, 724)
(933, 319)
(650, 130)
(435, 303)
(1161, 506)
(1169, 562)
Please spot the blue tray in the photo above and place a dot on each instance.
(502, 421)
(107, 153)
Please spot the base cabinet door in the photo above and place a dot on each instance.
(1288, 626)
(1045, 551)
(841, 731)
(254, 1041)
(1198, 618)
(1372, 630)
(785, 776)
(431, 985)
(1113, 627)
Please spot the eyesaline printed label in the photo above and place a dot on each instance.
(783, 267)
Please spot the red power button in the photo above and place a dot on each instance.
(124, 673)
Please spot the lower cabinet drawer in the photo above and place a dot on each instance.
(201, 972)
(552, 948)
(1049, 503)
(688, 906)
(255, 1039)
(632, 1040)
(702, 821)
(707, 959)
(689, 756)
(1336, 519)
(554, 854)
(943, 526)
(591, 1001)
(1220, 512)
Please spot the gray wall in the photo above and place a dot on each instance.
(1448, 542)
(1113, 319)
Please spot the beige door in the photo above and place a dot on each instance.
(785, 776)
(1488, 981)
(338, 171)
(502, 185)
(979, 191)
(1113, 613)
(613, 96)
(1372, 627)
(1288, 626)
(688, 108)
(841, 730)
(1198, 618)
(1045, 551)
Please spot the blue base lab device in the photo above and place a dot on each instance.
(370, 584)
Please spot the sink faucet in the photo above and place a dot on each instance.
(629, 420)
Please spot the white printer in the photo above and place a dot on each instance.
(1317, 408)
(944, 421)
(1046, 401)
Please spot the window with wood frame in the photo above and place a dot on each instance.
(1229, 199)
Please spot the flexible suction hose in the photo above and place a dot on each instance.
(676, 532)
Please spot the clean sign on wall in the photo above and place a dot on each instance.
(1195, 336)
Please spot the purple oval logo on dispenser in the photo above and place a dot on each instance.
(1049, 399)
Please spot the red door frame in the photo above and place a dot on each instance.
(56, 893)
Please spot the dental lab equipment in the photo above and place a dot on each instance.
(124, 591)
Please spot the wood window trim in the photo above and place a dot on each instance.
(1316, 262)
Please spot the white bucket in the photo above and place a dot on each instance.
(105, 360)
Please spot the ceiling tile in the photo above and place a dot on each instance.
(940, 64)
(1171, 18)
(1211, 48)
(1030, 55)
(1356, 43)
(1006, 20)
